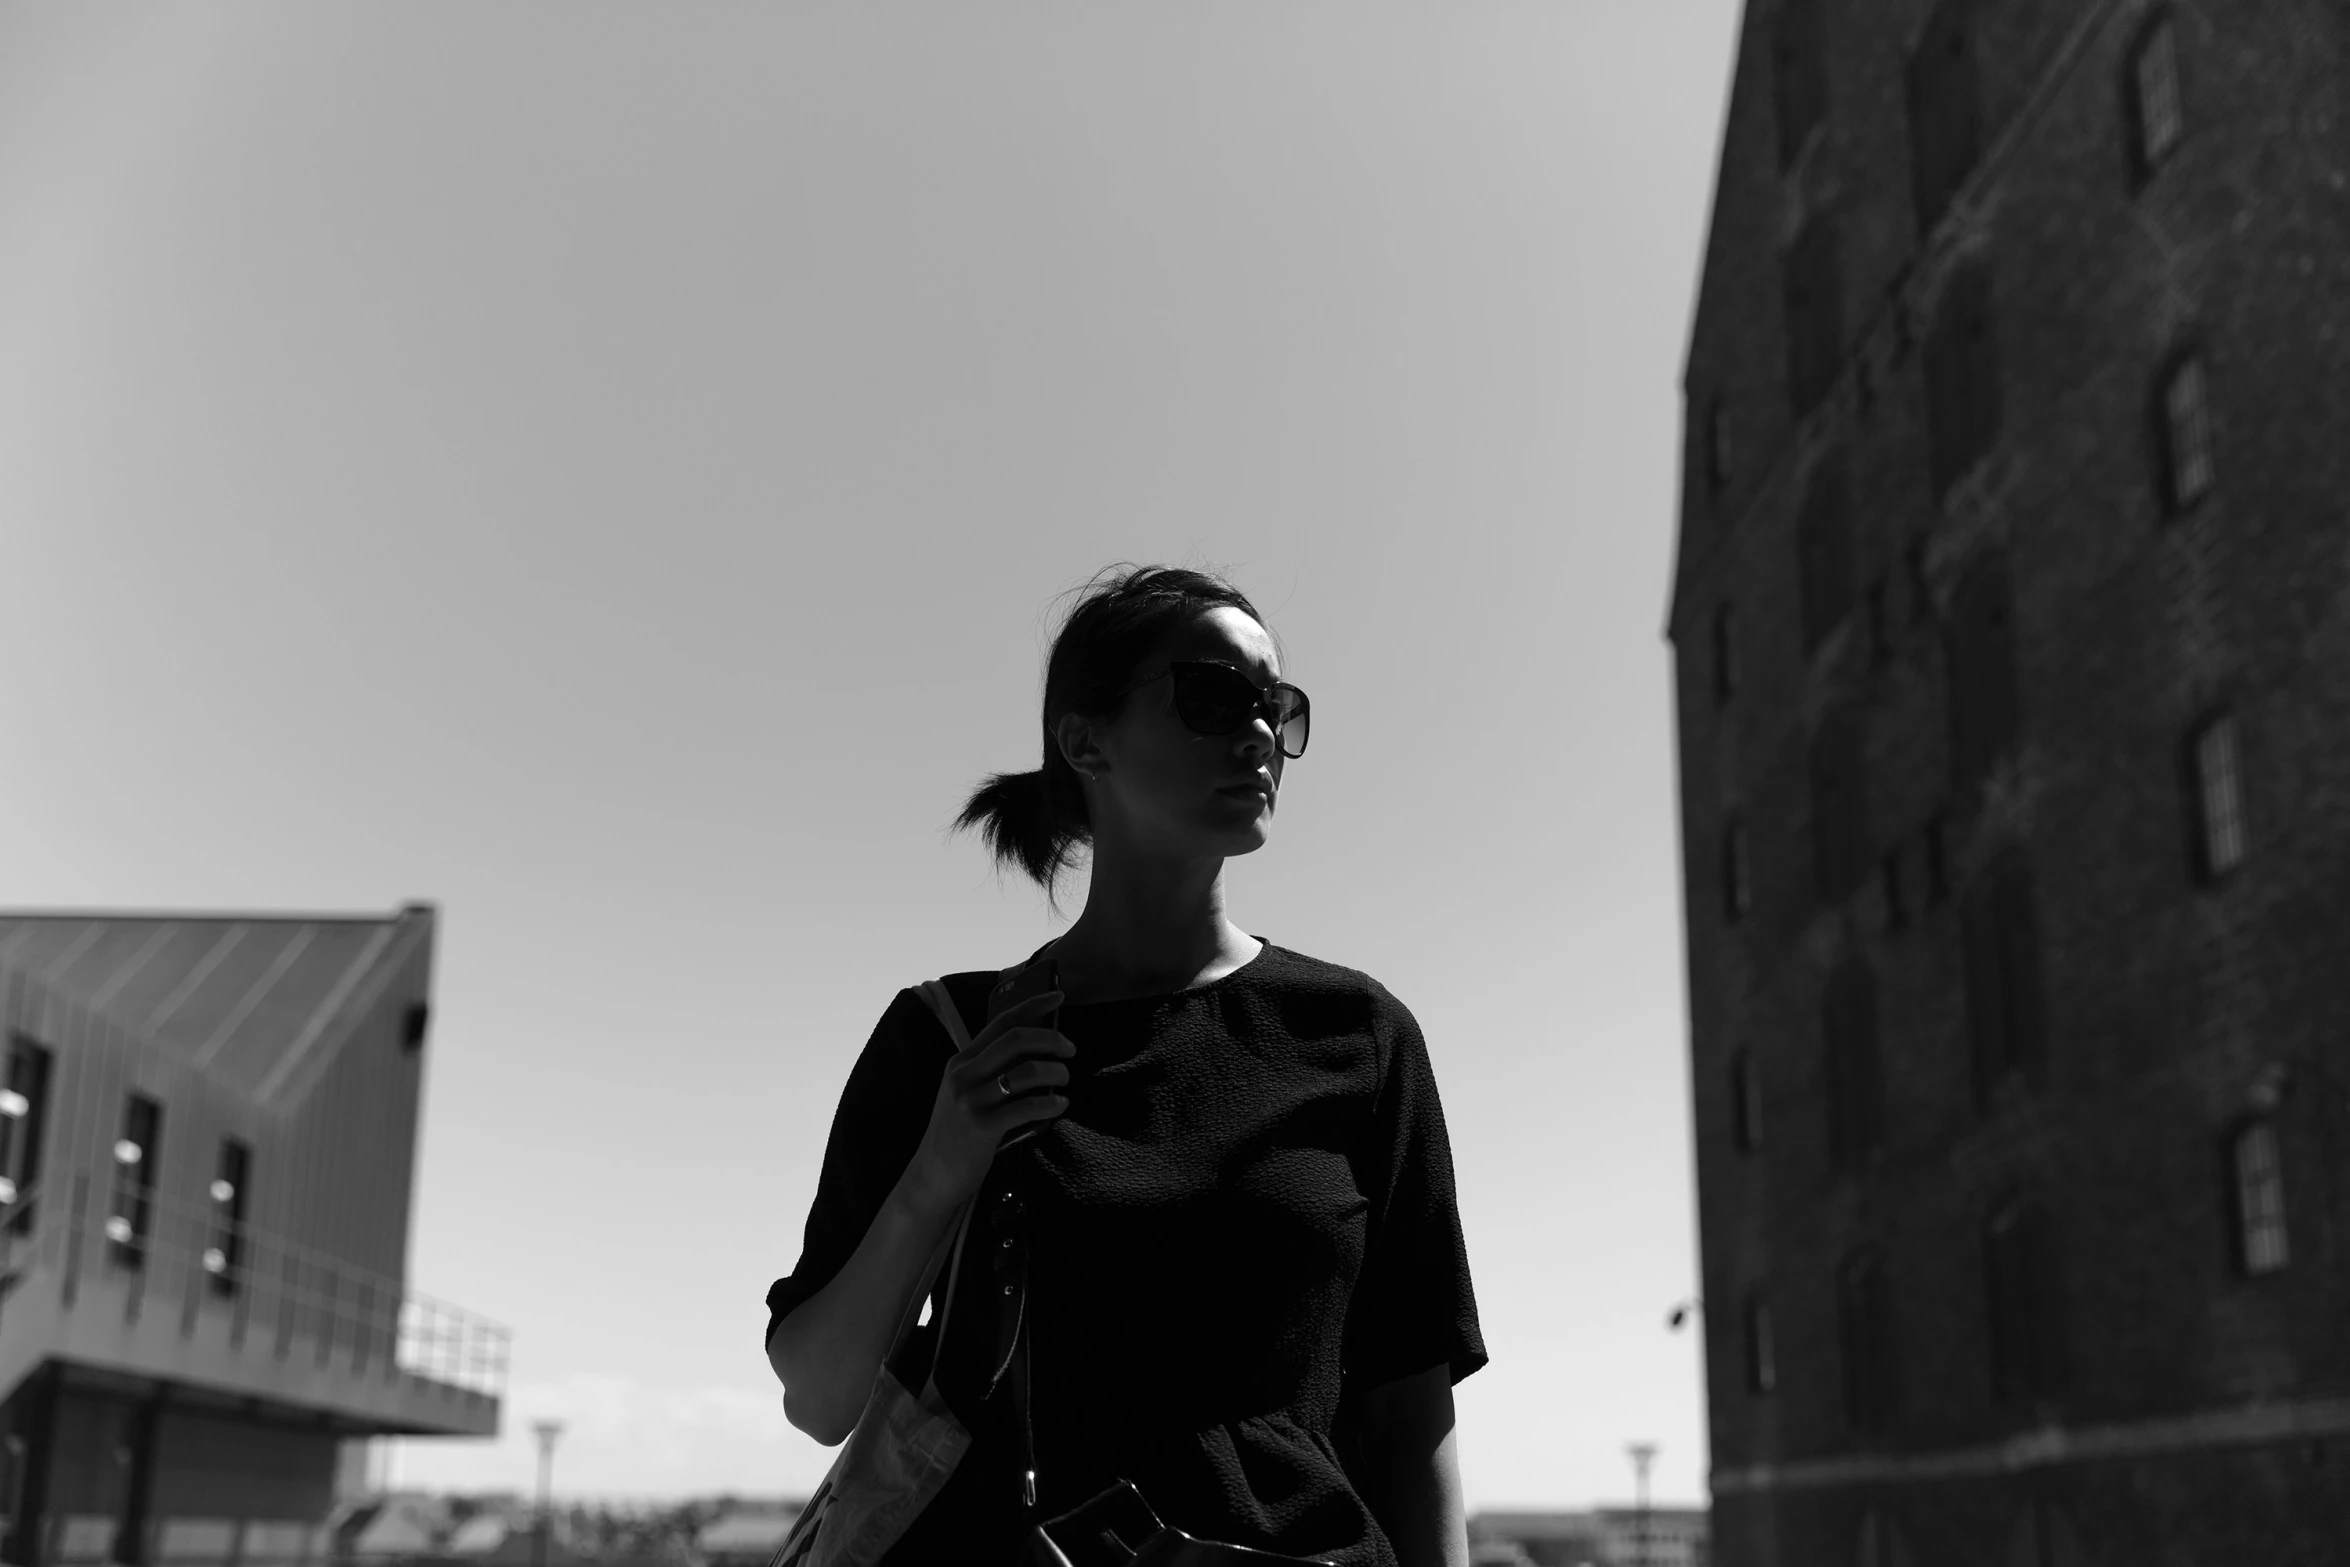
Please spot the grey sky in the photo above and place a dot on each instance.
(607, 470)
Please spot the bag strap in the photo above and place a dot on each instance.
(1016, 1263)
(950, 1245)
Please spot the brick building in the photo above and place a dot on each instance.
(207, 1151)
(2011, 623)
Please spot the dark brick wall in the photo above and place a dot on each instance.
(2286, 1503)
(2163, 998)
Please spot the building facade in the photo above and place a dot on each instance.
(207, 1155)
(1602, 1537)
(2011, 627)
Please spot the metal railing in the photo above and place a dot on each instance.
(273, 1291)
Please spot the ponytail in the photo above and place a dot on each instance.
(1028, 822)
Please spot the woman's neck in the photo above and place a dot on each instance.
(1150, 929)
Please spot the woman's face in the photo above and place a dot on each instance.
(1163, 787)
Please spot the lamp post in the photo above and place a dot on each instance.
(547, 1431)
(1641, 1453)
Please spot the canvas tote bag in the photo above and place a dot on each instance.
(905, 1444)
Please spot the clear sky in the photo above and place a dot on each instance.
(609, 471)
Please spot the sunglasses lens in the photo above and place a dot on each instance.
(1215, 700)
(1297, 719)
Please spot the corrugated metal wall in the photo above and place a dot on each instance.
(333, 1149)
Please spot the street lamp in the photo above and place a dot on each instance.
(1641, 1453)
(547, 1431)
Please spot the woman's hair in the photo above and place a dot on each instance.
(1035, 819)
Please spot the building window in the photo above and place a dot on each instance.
(1921, 594)
(1872, 1544)
(224, 1257)
(1815, 315)
(2184, 424)
(24, 1113)
(1962, 376)
(129, 1217)
(1725, 654)
(2219, 798)
(2025, 1293)
(1864, 1319)
(1896, 900)
(1848, 1030)
(1762, 1354)
(1983, 707)
(1946, 134)
(2000, 937)
(1717, 447)
(1839, 807)
(1746, 1113)
(2258, 1167)
(1737, 872)
(1799, 76)
(1824, 555)
(2155, 121)
(1937, 856)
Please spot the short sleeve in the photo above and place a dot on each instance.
(884, 1110)
(1413, 1306)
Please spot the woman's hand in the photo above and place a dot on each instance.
(971, 1116)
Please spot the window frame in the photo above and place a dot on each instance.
(1812, 284)
(1737, 870)
(135, 1180)
(1837, 760)
(2175, 445)
(1746, 1102)
(1945, 112)
(1854, 1072)
(1716, 438)
(2209, 818)
(2025, 1293)
(2000, 954)
(2253, 1221)
(1799, 77)
(1876, 600)
(31, 1068)
(234, 1165)
(1984, 684)
(1934, 834)
(1964, 408)
(1726, 670)
(2157, 35)
(1760, 1334)
(1866, 1342)
(1826, 568)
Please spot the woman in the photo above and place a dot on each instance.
(1249, 1292)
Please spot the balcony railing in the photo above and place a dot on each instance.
(278, 1297)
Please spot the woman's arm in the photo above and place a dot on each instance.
(1413, 1455)
(827, 1350)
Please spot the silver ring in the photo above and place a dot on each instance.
(1000, 1082)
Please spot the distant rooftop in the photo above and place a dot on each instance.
(242, 995)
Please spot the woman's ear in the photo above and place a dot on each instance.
(1080, 743)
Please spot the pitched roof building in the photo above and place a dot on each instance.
(207, 1155)
(2012, 635)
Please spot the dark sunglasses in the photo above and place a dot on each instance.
(1216, 699)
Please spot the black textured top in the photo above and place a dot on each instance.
(1249, 1198)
